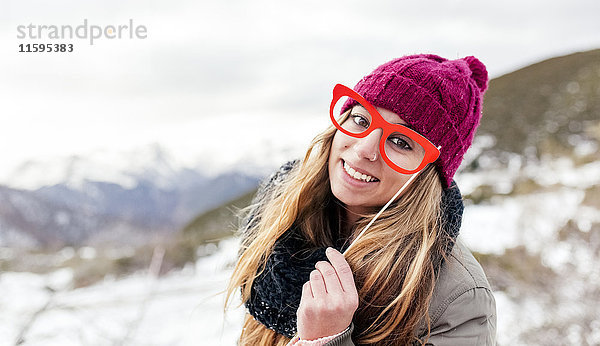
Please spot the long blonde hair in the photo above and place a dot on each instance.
(394, 262)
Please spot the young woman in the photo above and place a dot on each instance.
(376, 186)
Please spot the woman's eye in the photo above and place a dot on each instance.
(400, 143)
(360, 120)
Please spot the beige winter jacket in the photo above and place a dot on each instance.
(462, 310)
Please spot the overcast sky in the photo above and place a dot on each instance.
(206, 64)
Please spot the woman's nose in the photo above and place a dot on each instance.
(368, 147)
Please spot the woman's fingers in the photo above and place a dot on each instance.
(326, 307)
(306, 290)
(344, 273)
(317, 284)
(332, 282)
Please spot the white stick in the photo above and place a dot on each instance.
(382, 210)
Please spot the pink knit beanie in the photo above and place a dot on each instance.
(440, 98)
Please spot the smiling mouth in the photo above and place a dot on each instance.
(357, 175)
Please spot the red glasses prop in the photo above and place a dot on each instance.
(402, 148)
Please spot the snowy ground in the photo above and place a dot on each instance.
(182, 308)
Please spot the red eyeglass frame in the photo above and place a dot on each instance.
(431, 151)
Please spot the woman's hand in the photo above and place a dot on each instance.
(329, 299)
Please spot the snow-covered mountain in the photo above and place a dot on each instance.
(153, 163)
(110, 196)
(126, 194)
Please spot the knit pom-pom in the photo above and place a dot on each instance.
(478, 72)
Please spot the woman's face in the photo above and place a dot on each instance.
(349, 155)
